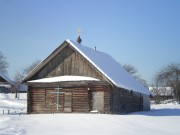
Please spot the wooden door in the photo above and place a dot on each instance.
(98, 101)
(68, 102)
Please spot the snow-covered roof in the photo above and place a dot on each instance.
(64, 79)
(103, 62)
(5, 85)
(7, 79)
(109, 68)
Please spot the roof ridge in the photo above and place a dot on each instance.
(103, 62)
(128, 82)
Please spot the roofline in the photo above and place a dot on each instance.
(44, 62)
(97, 68)
(94, 65)
(7, 79)
(54, 53)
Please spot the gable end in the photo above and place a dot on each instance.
(68, 61)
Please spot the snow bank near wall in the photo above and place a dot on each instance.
(146, 103)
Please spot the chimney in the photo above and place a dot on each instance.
(79, 40)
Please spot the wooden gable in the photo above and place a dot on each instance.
(67, 61)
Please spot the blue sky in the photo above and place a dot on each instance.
(143, 33)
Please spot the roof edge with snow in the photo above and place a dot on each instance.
(63, 79)
(115, 74)
(6, 78)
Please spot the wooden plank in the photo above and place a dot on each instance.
(68, 102)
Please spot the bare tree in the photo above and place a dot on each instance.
(143, 81)
(31, 67)
(156, 94)
(3, 63)
(20, 75)
(130, 69)
(134, 72)
(169, 76)
(161, 93)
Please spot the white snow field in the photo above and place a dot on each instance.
(163, 119)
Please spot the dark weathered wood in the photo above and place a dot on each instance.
(125, 101)
(68, 62)
(75, 99)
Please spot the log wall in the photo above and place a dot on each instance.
(125, 101)
(41, 98)
(44, 100)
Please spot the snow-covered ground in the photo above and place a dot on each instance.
(163, 119)
(8, 103)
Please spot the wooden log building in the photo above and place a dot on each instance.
(76, 78)
(6, 84)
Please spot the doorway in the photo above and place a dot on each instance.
(98, 101)
(68, 102)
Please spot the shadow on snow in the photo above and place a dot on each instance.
(159, 112)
